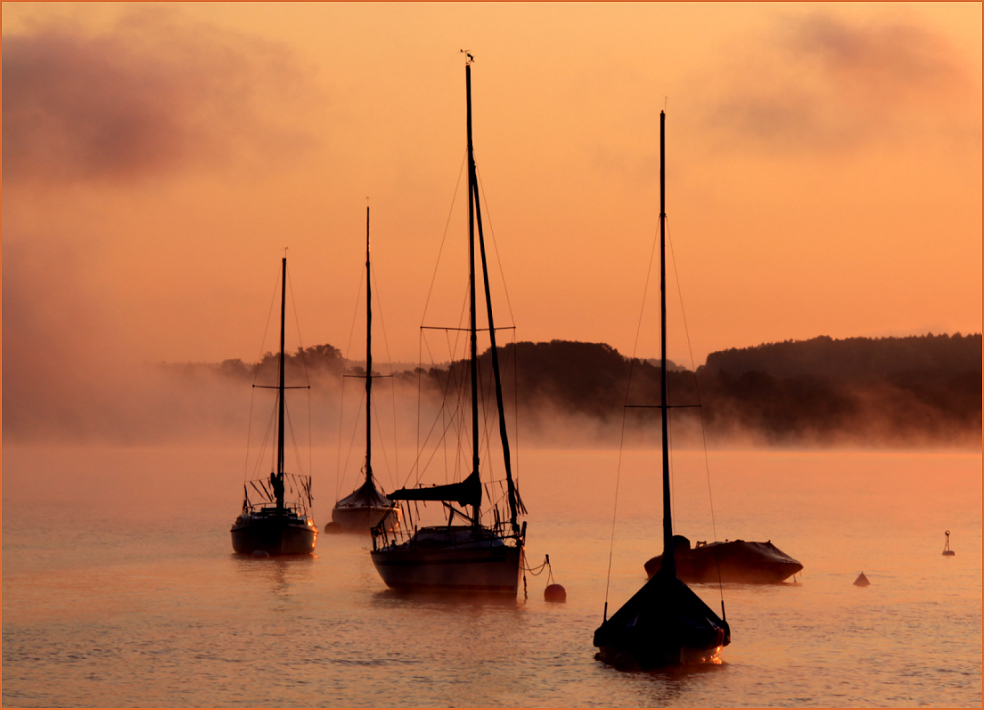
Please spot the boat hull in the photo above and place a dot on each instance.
(736, 562)
(363, 518)
(475, 567)
(274, 535)
(627, 660)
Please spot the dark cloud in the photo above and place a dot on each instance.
(158, 93)
(820, 82)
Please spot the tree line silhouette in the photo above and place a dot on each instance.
(916, 390)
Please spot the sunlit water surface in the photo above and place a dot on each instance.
(120, 589)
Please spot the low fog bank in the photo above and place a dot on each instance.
(891, 392)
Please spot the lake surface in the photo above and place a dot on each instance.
(120, 589)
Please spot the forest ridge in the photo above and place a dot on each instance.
(918, 390)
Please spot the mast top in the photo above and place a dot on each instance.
(469, 58)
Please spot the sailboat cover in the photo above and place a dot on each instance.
(664, 622)
(365, 495)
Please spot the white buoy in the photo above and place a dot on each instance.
(260, 553)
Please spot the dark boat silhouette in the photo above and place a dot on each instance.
(366, 507)
(474, 556)
(733, 561)
(665, 622)
(269, 523)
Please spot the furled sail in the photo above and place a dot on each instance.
(468, 492)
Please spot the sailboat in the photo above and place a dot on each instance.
(366, 507)
(269, 523)
(472, 556)
(665, 622)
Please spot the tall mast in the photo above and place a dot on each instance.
(471, 285)
(279, 488)
(368, 359)
(503, 435)
(669, 562)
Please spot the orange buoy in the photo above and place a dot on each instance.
(861, 581)
(555, 593)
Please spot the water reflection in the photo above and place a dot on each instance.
(281, 573)
(445, 600)
(662, 686)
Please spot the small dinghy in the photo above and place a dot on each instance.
(734, 561)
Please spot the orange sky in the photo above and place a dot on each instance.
(824, 168)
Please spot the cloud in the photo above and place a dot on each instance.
(820, 82)
(158, 93)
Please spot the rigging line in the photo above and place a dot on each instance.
(310, 446)
(459, 386)
(389, 357)
(293, 438)
(703, 431)
(495, 245)
(379, 428)
(355, 315)
(266, 438)
(355, 430)
(420, 377)
(273, 450)
(339, 472)
(300, 350)
(621, 444)
(341, 413)
(452, 381)
(611, 547)
(669, 432)
(266, 328)
(516, 407)
(642, 312)
(256, 374)
(249, 431)
(297, 324)
(416, 464)
(442, 439)
(447, 223)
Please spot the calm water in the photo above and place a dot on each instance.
(120, 589)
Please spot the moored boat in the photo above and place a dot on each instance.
(366, 507)
(731, 561)
(270, 523)
(485, 552)
(665, 622)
